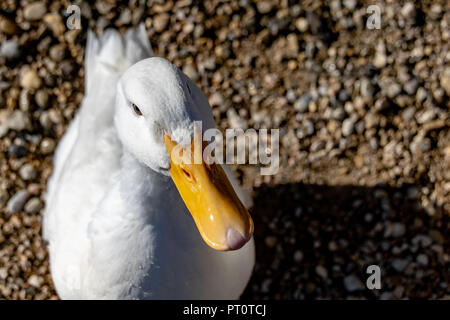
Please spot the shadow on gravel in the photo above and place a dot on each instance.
(315, 241)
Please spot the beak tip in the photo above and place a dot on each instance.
(235, 240)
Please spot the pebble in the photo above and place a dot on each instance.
(322, 272)
(264, 6)
(190, 72)
(399, 265)
(17, 201)
(160, 22)
(426, 116)
(7, 26)
(408, 10)
(57, 52)
(348, 126)
(298, 256)
(10, 49)
(398, 230)
(34, 11)
(393, 89)
(30, 79)
(17, 151)
(41, 98)
(33, 206)
(445, 80)
(28, 172)
(47, 146)
(216, 99)
(422, 259)
(367, 88)
(301, 24)
(352, 283)
(380, 60)
(411, 86)
(235, 121)
(17, 120)
(270, 241)
(301, 105)
(54, 22)
(408, 114)
(35, 280)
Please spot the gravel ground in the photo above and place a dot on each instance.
(364, 131)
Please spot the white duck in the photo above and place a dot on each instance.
(117, 220)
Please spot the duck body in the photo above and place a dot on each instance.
(116, 228)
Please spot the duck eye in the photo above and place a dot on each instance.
(136, 109)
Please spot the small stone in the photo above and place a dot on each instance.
(393, 89)
(235, 121)
(412, 192)
(190, 72)
(426, 116)
(352, 283)
(264, 6)
(54, 22)
(408, 10)
(382, 104)
(367, 89)
(17, 120)
(350, 4)
(10, 49)
(265, 286)
(445, 80)
(7, 26)
(17, 151)
(30, 79)
(216, 99)
(35, 281)
(398, 230)
(67, 68)
(422, 259)
(17, 201)
(380, 60)
(411, 86)
(301, 105)
(57, 52)
(160, 22)
(41, 98)
(298, 256)
(322, 272)
(125, 17)
(307, 127)
(24, 100)
(408, 113)
(34, 11)
(399, 265)
(208, 64)
(270, 241)
(47, 145)
(27, 172)
(301, 24)
(33, 205)
(34, 189)
(421, 94)
(348, 126)
(291, 96)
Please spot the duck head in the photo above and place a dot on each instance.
(156, 109)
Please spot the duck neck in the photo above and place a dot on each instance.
(141, 184)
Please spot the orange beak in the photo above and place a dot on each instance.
(223, 221)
